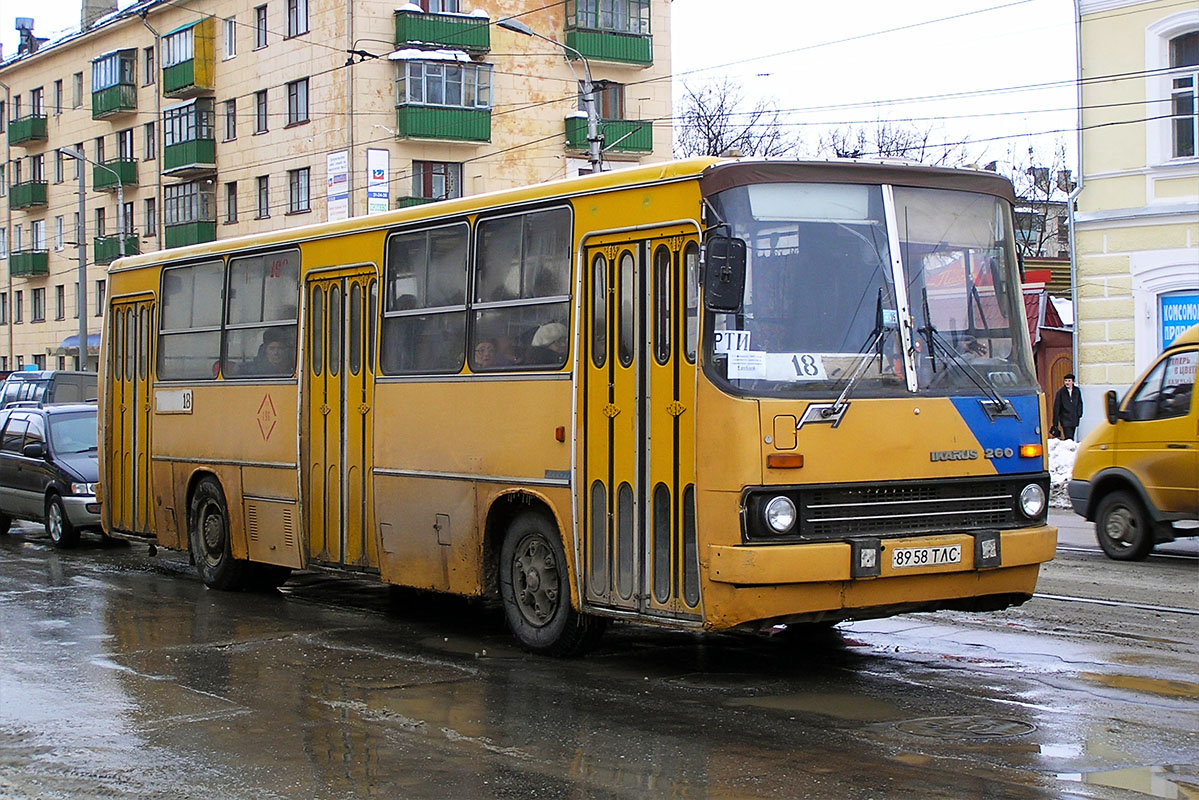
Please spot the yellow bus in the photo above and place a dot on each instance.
(711, 394)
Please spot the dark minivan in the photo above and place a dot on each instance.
(48, 469)
(48, 386)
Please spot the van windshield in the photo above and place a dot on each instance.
(73, 433)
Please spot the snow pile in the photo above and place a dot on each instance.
(1061, 464)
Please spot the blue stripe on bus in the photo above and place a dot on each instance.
(1005, 432)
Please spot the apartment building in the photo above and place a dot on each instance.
(1136, 223)
(218, 118)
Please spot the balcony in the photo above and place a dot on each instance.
(187, 233)
(621, 48)
(107, 249)
(443, 31)
(620, 135)
(29, 194)
(104, 179)
(189, 159)
(27, 129)
(114, 101)
(29, 263)
(443, 122)
(189, 63)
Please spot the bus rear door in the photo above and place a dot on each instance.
(127, 415)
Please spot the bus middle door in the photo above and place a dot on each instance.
(339, 392)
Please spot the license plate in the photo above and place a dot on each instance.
(905, 557)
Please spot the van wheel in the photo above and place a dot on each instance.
(208, 537)
(535, 587)
(62, 532)
(1123, 528)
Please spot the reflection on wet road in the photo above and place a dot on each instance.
(121, 676)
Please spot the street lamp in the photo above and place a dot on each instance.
(81, 245)
(593, 135)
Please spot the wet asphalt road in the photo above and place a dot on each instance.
(121, 676)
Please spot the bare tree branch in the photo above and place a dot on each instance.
(712, 122)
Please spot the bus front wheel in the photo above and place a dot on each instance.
(208, 535)
(535, 586)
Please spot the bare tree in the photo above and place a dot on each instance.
(713, 122)
(890, 140)
(1042, 192)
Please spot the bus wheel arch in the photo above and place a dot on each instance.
(526, 557)
(209, 536)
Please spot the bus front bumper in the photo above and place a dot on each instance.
(821, 562)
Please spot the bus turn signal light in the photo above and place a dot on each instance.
(560, 433)
(1030, 451)
(784, 460)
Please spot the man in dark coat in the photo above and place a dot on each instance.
(1067, 408)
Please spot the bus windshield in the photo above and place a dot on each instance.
(821, 306)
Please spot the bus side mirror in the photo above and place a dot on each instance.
(1113, 407)
(724, 274)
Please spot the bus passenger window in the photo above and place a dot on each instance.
(264, 294)
(424, 313)
(189, 339)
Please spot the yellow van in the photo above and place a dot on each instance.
(1137, 477)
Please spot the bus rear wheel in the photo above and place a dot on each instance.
(535, 587)
(208, 537)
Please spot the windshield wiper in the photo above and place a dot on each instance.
(875, 341)
(996, 405)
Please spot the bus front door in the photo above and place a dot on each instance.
(336, 447)
(127, 416)
(638, 458)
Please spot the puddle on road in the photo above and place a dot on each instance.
(838, 705)
(1178, 782)
(1169, 688)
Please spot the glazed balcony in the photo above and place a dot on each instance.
(443, 31)
(189, 159)
(107, 249)
(122, 172)
(29, 263)
(443, 122)
(30, 194)
(27, 129)
(620, 135)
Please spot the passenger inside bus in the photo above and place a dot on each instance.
(276, 355)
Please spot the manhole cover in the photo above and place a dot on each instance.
(966, 727)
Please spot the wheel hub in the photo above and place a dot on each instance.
(535, 581)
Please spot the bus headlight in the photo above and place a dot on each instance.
(780, 514)
(1032, 500)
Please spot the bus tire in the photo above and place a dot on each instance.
(535, 587)
(62, 533)
(208, 537)
(1122, 528)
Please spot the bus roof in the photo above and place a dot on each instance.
(715, 175)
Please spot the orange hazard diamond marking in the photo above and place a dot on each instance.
(267, 417)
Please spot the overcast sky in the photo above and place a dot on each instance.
(852, 62)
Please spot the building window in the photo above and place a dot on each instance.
(230, 120)
(100, 287)
(60, 168)
(125, 145)
(60, 232)
(259, 27)
(148, 73)
(101, 219)
(151, 142)
(264, 196)
(99, 154)
(18, 307)
(3, 242)
(609, 101)
(444, 83)
(230, 38)
(297, 17)
(439, 6)
(188, 203)
(231, 202)
(151, 217)
(126, 221)
(37, 168)
(78, 161)
(39, 360)
(37, 105)
(3, 115)
(297, 191)
(189, 122)
(297, 102)
(436, 180)
(58, 101)
(39, 234)
(3, 179)
(619, 16)
(178, 48)
(39, 306)
(77, 90)
(1184, 95)
(3, 308)
(114, 69)
(260, 112)
(60, 300)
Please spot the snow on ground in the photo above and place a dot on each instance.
(1061, 464)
